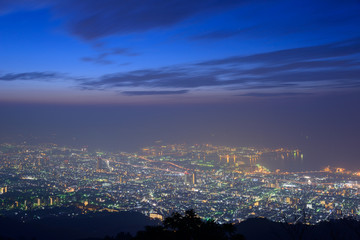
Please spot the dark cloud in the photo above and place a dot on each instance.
(263, 86)
(102, 58)
(334, 65)
(304, 65)
(165, 77)
(282, 94)
(95, 19)
(331, 50)
(29, 76)
(219, 34)
(122, 51)
(98, 59)
(317, 76)
(143, 93)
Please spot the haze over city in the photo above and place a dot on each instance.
(120, 75)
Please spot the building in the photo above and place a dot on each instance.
(99, 164)
(190, 178)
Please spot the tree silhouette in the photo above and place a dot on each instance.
(189, 227)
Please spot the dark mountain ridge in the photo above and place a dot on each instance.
(99, 225)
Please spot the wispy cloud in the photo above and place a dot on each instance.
(281, 94)
(293, 55)
(41, 76)
(143, 93)
(335, 65)
(219, 34)
(102, 58)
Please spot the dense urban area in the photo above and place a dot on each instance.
(227, 184)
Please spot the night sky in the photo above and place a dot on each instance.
(118, 75)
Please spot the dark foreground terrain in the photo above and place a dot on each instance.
(132, 225)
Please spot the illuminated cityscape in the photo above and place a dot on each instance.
(227, 184)
(121, 115)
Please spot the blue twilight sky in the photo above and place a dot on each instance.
(206, 51)
(121, 74)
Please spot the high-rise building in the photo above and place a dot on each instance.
(190, 178)
(193, 178)
(187, 178)
(47, 161)
(98, 164)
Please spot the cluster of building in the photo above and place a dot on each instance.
(226, 184)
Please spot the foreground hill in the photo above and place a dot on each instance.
(97, 226)
(259, 228)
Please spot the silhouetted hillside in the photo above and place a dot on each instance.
(108, 226)
(260, 228)
(95, 225)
